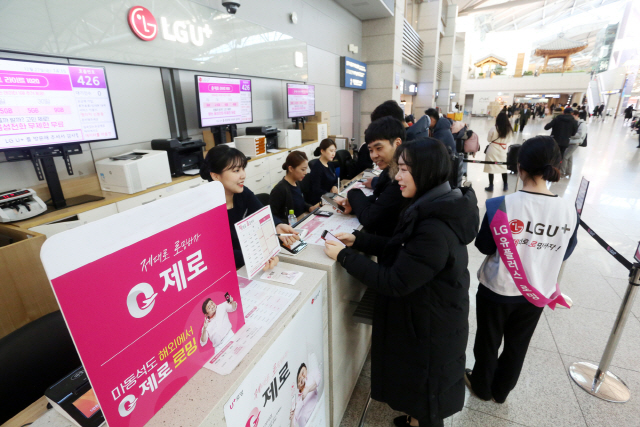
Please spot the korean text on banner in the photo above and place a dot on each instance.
(286, 387)
(149, 295)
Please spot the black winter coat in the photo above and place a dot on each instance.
(420, 321)
(379, 212)
(562, 128)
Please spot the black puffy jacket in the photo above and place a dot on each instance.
(562, 128)
(420, 322)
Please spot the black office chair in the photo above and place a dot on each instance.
(305, 184)
(346, 164)
(264, 198)
(32, 359)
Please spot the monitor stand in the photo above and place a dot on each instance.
(220, 133)
(43, 163)
(297, 121)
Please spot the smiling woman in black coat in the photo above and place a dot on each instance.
(420, 321)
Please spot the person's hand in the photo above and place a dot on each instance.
(314, 207)
(345, 202)
(291, 414)
(287, 229)
(206, 322)
(332, 249)
(346, 238)
(273, 261)
(231, 298)
(367, 183)
(335, 190)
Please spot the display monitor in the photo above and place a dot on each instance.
(223, 101)
(301, 100)
(43, 104)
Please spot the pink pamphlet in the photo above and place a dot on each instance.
(149, 295)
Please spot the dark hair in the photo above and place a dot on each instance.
(300, 369)
(294, 159)
(429, 162)
(221, 158)
(574, 105)
(388, 108)
(503, 126)
(324, 145)
(540, 156)
(204, 305)
(432, 112)
(386, 128)
(409, 118)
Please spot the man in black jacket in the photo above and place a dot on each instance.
(524, 116)
(379, 212)
(562, 128)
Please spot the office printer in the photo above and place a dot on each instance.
(134, 171)
(16, 205)
(183, 155)
(270, 133)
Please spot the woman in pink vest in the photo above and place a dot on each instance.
(525, 236)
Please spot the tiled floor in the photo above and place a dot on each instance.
(545, 394)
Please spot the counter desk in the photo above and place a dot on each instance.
(349, 342)
(200, 402)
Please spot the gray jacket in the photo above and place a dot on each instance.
(580, 134)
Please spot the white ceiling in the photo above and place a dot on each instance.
(368, 9)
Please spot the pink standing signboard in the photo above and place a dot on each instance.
(134, 289)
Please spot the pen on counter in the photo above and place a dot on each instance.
(286, 235)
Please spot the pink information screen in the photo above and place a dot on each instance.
(223, 101)
(44, 104)
(301, 100)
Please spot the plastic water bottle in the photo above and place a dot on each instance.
(292, 218)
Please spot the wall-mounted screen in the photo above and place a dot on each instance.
(301, 100)
(223, 101)
(44, 104)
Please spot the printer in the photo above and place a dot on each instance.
(269, 132)
(134, 171)
(183, 155)
(16, 205)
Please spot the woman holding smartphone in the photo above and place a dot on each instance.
(227, 166)
(323, 173)
(420, 321)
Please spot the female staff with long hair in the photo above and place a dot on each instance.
(526, 236)
(498, 139)
(227, 166)
(420, 320)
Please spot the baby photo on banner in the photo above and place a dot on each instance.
(286, 387)
(149, 295)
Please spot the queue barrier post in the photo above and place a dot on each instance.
(597, 380)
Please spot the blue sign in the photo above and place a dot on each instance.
(353, 73)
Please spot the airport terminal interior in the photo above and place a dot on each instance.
(319, 213)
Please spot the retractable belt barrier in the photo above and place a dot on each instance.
(484, 162)
(622, 260)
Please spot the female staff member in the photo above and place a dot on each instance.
(505, 310)
(227, 165)
(286, 195)
(323, 173)
(497, 150)
(420, 321)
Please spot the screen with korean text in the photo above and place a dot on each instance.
(301, 100)
(223, 101)
(43, 104)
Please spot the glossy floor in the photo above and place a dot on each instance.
(545, 395)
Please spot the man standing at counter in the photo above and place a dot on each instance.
(379, 212)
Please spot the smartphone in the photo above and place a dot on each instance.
(330, 198)
(227, 297)
(296, 248)
(324, 213)
(364, 180)
(326, 236)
